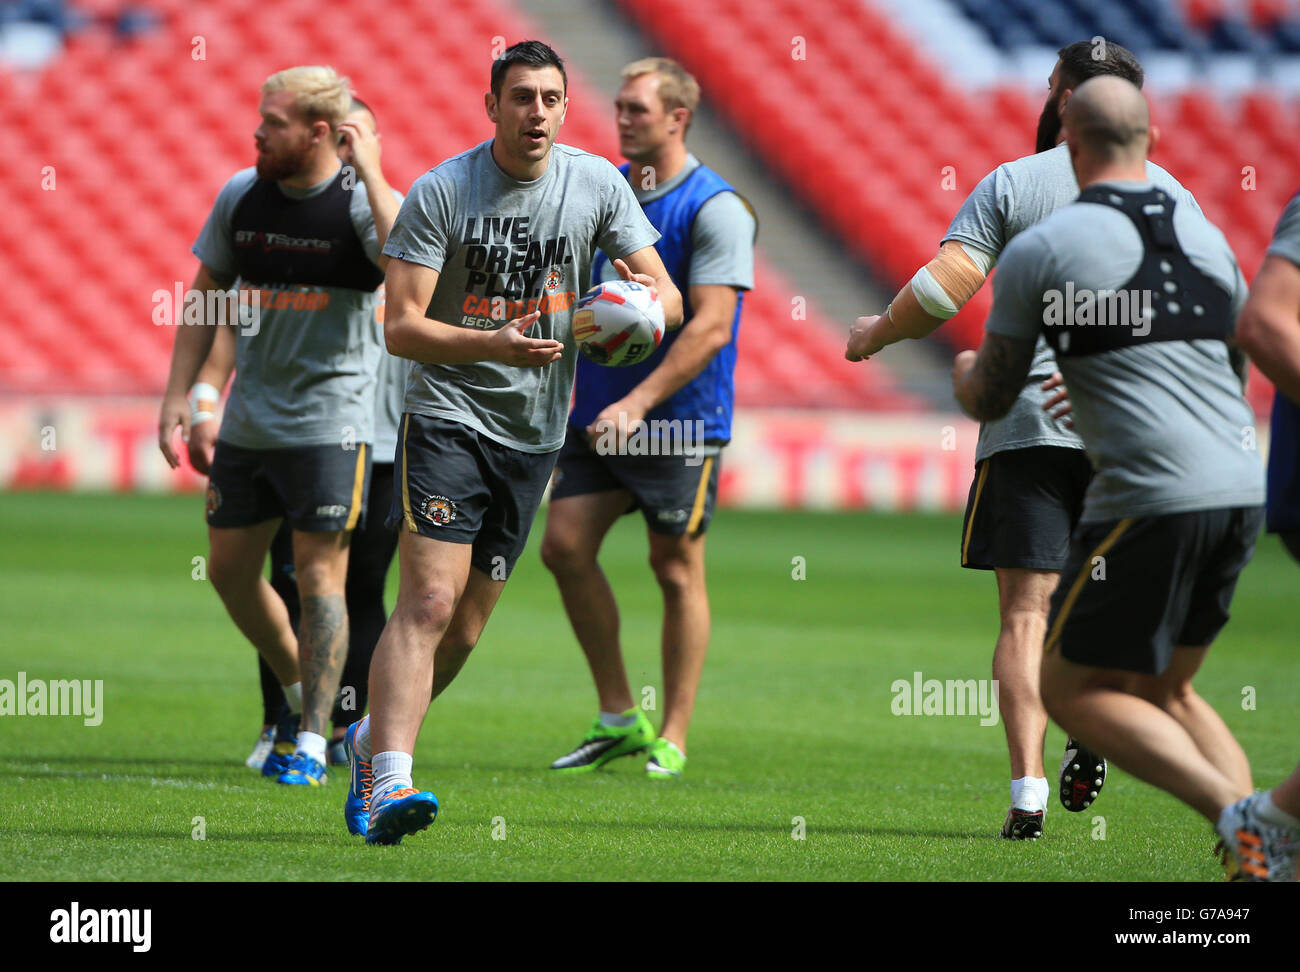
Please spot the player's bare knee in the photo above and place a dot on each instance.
(1025, 605)
(319, 579)
(674, 569)
(430, 610)
(1024, 627)
(1168, 694)
(232, 576)
(561, 554)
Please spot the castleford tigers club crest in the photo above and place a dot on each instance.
(214, 499)
(439, 509)
(554, 277)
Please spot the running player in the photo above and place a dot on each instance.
(686, 386)
(1137, 294)
(490, 245)
(372, 545)
(295, 440)
(1030, 470)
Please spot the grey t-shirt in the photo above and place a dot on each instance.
(307, 376)
(504, 248)
(722, 236)
(1007, 201)
(1286, 238)
(1165, 424)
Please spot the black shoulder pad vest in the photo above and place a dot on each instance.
(1184, 304)
(311, 242)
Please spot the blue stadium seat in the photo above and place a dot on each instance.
(135, 21)
(1287, 36)
(1164, 21)
(1231, 34)
(1056, 24)
(56, 13)
(1017, 33)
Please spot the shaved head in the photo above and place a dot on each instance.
(1107, 119)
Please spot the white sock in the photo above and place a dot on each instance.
(310, 744)
(1270, 812)
(390, 769)
(617, 720)
(1030, 793)
(361, 740)
(293, 695)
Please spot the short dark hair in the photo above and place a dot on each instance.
(1092, 58)
(531, 53)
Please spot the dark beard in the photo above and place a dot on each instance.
(1049, 127)
(284, 165)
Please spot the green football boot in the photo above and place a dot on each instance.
(603, 743)
(666, 761)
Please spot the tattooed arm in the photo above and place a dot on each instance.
(987, 384)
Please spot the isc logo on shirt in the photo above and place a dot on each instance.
(335, 510)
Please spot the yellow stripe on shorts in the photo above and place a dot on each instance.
(358, 482)
(979, 488)
(701, 493)
(1055, 634)
(406, 489)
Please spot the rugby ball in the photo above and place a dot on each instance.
(618, 323)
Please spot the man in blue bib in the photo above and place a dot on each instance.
(649, 436)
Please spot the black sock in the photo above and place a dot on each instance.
(272, 694)
(371, 553)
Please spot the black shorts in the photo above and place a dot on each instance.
(370, 551)
(453, 483)
(1023, 504)
(318, 489)
(675, 494)
(1134, 590)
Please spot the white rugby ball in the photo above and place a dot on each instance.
(618, 323)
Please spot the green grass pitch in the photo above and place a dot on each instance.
(793, 722)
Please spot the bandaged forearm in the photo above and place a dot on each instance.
(939, 289)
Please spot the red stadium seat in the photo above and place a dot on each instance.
(92, 252)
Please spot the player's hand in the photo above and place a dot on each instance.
(961, 367)
(202, 444)
(644, 279)
(623, 418)
(359, 148)
(512, 348)
(1061, 398)
(175, 411)
(862, 340)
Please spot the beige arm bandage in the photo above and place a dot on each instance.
(940, 288)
